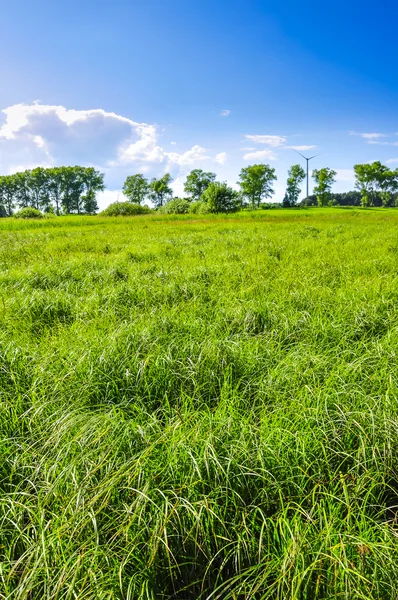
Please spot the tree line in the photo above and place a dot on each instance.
(65, 190)
(69, 190)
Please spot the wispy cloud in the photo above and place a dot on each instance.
(371, 138)
(260, 154)
(275, 141)
(300, 148)
(225, 113)
(221, 158)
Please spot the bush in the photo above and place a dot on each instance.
(177, 206)
(29, 213)
(199, 208)
(125, 209)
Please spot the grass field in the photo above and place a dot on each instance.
(200, 408)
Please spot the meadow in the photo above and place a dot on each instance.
(200, 407)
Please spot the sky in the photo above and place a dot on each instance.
(155, 86)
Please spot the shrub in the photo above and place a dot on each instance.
(29, 213)
(125, 209)
(177, 206)
(199, 208)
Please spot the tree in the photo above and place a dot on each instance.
(295, 178)
(8, 190)
(256, 183)
(72, 188)
(219, 197)
(55, 187)
(22, 192)
(37, 183)
(136, 188)
(160, 190)
(324, 179)
(197, 182)
(366, 182)
(93, 182)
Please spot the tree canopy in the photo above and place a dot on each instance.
(67, 189)
(256, 183)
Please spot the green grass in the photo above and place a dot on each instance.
(199, 407)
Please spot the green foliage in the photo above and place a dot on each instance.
(324, 179)
(197, 182)
(125, 209)
(296, 176)
(160, 190)
(72, 188)
(219, 197)
(199, 408)
(28, 213)
(136, 188)
(256, 183)
(375, 178)
(177, 206)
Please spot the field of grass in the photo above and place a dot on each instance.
(200, 407)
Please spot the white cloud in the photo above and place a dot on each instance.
(173, 143)
(47, 135)
(225, 113)
(260, 154)
(371, 138)
(301, 148)
(221, 158)
(392, 161)
(195, 154)
(271, 140)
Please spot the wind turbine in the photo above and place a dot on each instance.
(308, 160)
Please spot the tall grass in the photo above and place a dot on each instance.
(200, 408)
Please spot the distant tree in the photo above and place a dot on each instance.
(55, 187)
(256, 183)
(295, 178)
(366, 182)
(136, 188)
(324, 179)
(8, 189)
(22, 192)
(197, 182)
(93, 182)
(219, 197)
(160, 190)
(37, 183)
(72, 189)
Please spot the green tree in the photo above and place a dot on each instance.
(136, 188)
(55, 187)
(295, 178)
(37, 183)
(256, 183)
(72, 188)
(22, 192)
(366, 182)
(219, 197)
(160, 190)
(8, 191)
(93, 182)
(324, 179)
(197, 182)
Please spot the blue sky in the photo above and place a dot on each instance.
(160, 85)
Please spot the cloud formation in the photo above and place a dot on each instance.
(260, 154)
(273, 141)
(225, 113)
(47, 135)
